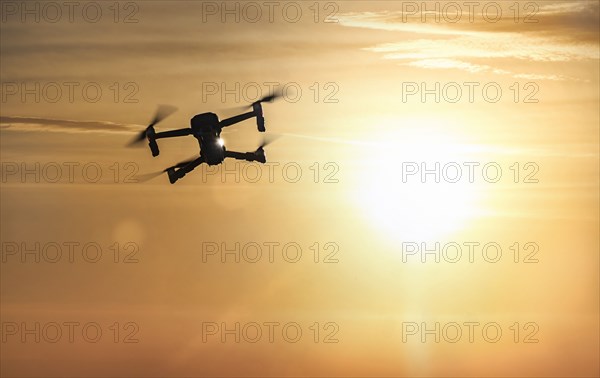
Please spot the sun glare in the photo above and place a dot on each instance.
(409, 193)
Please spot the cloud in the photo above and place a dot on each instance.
(483, 68)
(392, 144)
(449, 63)
(565, 32)
(33, 124)
(68, 126)
(576, 19)
(489, 45)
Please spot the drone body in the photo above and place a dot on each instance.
(206, 128)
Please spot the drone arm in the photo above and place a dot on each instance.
(177, 171)
(235, 119)
(172, 133)
(191, 165)
(153, 136)
(235, 155)
(258, 155)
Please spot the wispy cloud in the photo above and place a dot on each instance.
(466, 44)
(61, 125)
(483, 68)
(34, 124)
(460, 149)
(489, 45)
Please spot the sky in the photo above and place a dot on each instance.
(430, 205)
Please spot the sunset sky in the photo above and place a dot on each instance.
(371, 90)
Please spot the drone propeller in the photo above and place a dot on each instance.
(272, 97)
(150, 176)
(268, 139)
(269, 98)
(162, 112)
(182, 164)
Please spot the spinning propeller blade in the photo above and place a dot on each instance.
(162, 112)
(183, 163)
(150, 176)
(269, 98)
(272, 97)
(268, 139)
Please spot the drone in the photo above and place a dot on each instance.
(206, 128)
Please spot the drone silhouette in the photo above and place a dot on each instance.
(205, 127)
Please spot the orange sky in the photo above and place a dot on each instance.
(351, 125)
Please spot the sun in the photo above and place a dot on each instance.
(411, 191)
